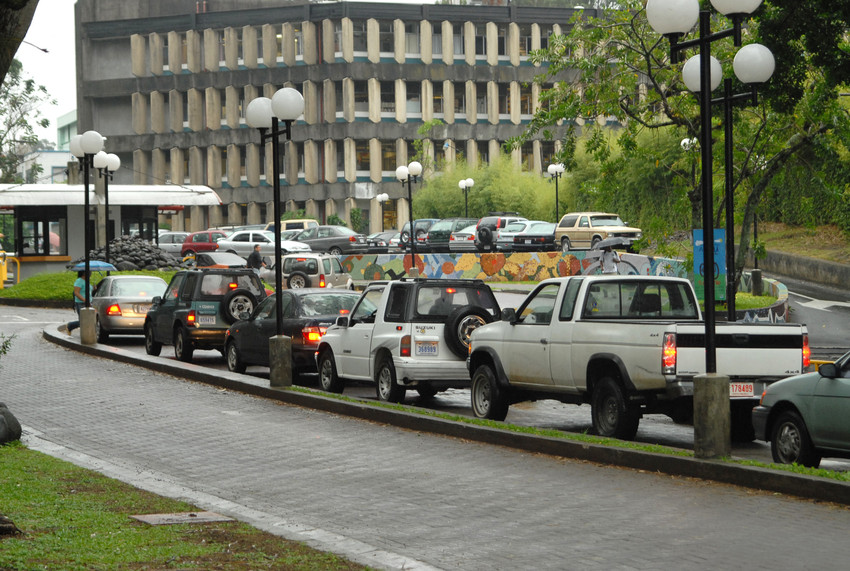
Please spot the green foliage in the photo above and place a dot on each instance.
(5, 344)
(358, 222)
(60, 286)
(293, 214)
(20, 102)
(335, 220)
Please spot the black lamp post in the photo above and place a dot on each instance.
(408, 175)
(555, 170)
(106, 165)
(465, 185)
(674, 18)
(286, 105)
(85, 147)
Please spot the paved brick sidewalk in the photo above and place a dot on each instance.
(395, 498)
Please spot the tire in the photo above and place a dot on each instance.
(488, 399)
(237, 302)
(298, 280)
(386, 386)
(102, 334)
(404, 239)
(612, 415)
(235, 364)
(189, 253)
(790, 442)
(742, 422)
(152, 347)
(183, 349)
(485, 238)
(565, 245)
(335, 251)
(459, 326)
(329, 381)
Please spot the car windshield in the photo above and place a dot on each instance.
(438, 301)
(319, 304)
(541, 228)
(515, 227)
(138, 288)
(607, 220)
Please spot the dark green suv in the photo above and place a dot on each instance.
(198, 307)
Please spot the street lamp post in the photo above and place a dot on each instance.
(465, 185)
(85, 147)
(702, 73)
(382, 199)
(408, 175)
(262, 113)
(106, 165)
(555, 170)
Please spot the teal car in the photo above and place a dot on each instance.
(197, 309)
(805, 417)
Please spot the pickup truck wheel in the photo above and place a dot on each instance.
(386, 387)
(328, 379)
(235, 364)
(236, 303)
(611, 413)
(459, 327)
(488, 400)
(565, 244)
(152, 347)
(790, 442)
(742, 422)
(183, 349)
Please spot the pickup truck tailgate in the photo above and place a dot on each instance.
(743, 350)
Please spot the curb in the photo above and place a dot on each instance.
(763, 479)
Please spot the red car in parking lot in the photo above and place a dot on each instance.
(203, 241)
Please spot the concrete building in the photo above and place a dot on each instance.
(168, 81)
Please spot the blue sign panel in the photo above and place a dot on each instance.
(700, 271)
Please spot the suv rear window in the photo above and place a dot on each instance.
(436, 303)
(216, 285)
(307, 265)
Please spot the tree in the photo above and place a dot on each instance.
(15, 19)
(20, 101)
(618, 68)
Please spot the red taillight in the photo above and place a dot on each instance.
(190, 317)
(452, 238)
(668, 354)
(405, 346)
(113, 309)
(321, 280)
(312, 335)
(352, 239)
(807, 352)
(233, 285)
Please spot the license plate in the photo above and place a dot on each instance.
(741, 390)
(206, 319)
(528, 241)
(426, 348)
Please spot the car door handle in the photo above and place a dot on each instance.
(544, 341)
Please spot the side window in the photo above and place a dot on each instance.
(199, 238)
(266, 308)
(365, 310)
(569, 302)
(325, 233)
(584, 223)
(286, 306)
(539, 309)
(189, 288)
(337, 266)
(397, 303)
(174, 287)
(241, 237)
(326, 264)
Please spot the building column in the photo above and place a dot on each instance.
(155, 53)
(157, 105)
(212, 58)
(492, 44)
(252, 164)
(310, 39)
(253, 214)
(231, 49)
(214, 166)
(140, 167)
(399, 43)
(158, 166)
(175, 111)
(234, 214)
(448, 43)
(469, 42)
(449, 102)
(493, 102)
(196, 165)
(311, 210)
(234, 166)
(197, 219)
(426, 42)
(373, 40)
(193, 51)
(137, 55)
(196, 110)
(139, 103)
(311, 162)
(231, 107)
(375, 162)
(213, 108)
(177, 164)
(249, 46)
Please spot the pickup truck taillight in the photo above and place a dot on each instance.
(807, 353)
(668, 354)
(404, 346)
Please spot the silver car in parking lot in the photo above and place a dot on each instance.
(122, 302)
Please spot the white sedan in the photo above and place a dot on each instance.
(242, 243)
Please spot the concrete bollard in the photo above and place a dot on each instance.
(712, 416)
(88, 317)
(758, 284)
(280, 361)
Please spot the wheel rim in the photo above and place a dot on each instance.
(232, 357)
(297, 282)
(148, 339)
(565, 245)
(482, 398)
(336, 251)
(608, 413)
(178, 345)
(326, 374)
(385, 382)
(239, 304)
(98, 330)
(467, 326)
(788, 443)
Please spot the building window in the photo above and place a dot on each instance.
(481, 99)
(437, 45)
(502, 43)
(388, 159)
(340, 160)
(460, 101)
(298, 38)
(360, 45)
(42, 230)
(481, 42)
(386, 38)
(527, 156)
(438, 100)
(504, 101)
(411, 39)
(361, 154)
(387, 99)
(525, 47)
(414, 99)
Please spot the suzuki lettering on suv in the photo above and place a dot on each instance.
(407, 334)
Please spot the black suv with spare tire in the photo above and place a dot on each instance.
(197, 309)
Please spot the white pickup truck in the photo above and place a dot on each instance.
(629, 346)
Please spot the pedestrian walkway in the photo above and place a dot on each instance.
(395, 498)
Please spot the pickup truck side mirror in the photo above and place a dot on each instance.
(509, 315)
(828, 370)
(342, 321)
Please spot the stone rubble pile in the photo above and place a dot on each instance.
(133, 253)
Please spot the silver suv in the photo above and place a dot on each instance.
(311, 269)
